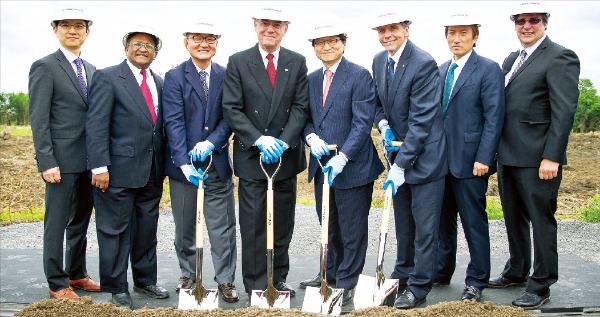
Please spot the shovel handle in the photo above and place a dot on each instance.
(397, 143)
(325, 210)
(332, 147)
(270, 218)
(387, 205)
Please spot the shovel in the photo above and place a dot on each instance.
(324, 300)
(199, 297)
(378, 291)
(271, 297)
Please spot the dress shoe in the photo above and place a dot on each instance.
(152, 291)
(470, 293)
(315, 282)
(86, 284)
(185, 283)
(66, 293)
(408, 300)
(502, 282)
(228, 292)
(441, 283)
(348, 296)
(531, 300)
(122, 300)
(285, 287)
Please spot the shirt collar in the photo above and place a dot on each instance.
(396, 56)
(136, 71)
(264, 54)
(463, 60)
(333, 67)
(207, 70)
(68, 54)
(533, 47)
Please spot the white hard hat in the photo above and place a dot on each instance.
(530, 7)
(324, 29)
(461, 19)
(203, 28)
(71, 14)
(391, 17)
(271, 13)
(143, 29)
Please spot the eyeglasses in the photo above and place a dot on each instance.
(66, 26)
(139, 45)
(274, 24)
(321, 43)
(198, 39)
(532, 21)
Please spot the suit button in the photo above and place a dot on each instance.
(287, 110)
(206, 128)
(266, 130)
(256, 111)
(281, 129)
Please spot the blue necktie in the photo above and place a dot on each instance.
(204, 85)
(79, 63)
(390, 70)
(448, 88)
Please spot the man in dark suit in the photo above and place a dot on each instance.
(408, 109)
(342, 109)
(265, 102)
(125, 142)
(541, 91)
(473, 112)
(57, 107)
(194, 126)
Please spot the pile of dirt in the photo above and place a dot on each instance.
(86, 308)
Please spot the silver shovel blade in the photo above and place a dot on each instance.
(259, 299)
(315, 303)
(369, 295)
(187, 301)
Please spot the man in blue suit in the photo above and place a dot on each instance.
(342, 109)
(473, 112)
(195, 126)
(408, 110)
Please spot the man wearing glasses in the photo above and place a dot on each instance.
(265, 102)
(195, 127)
(541, 91)
(58, 103)
(125, 142)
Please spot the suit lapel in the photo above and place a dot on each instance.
(158, 83)
(468, 69)
(400, 68)
(538, 51)
(258, 70)
(132, 87)
(192, 76)
(340, 77)
(216, 80)
(66, 66)
(281, 79)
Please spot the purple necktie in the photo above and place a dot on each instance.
(79, 63)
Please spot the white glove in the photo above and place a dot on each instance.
(318, 147)
(201, 150)
(394, 178)
(335, 166)
(387, 136)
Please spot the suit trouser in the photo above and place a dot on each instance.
(219, 216)
(68, 210)
(417, 209)
(465, 197)
(252, 195)
(126, 223)
(348, 230)
(528, 199)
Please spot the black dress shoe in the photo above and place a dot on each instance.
(315, 282)
(531, 300)
(503, 282)
(152, 291)
(471, 293)
(228, 292)
(185, 283)
(408, 300)
(348, 296)
(285, 287)
(122, 300)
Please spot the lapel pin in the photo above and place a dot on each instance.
(286, 69)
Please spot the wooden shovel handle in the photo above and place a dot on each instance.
(397, 143)
(270, 218)
(200, 215)
(325, 210)
(385, 215)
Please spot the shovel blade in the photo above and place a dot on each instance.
(369, 295)
(259, 299)
(187, 301)
(314, 302)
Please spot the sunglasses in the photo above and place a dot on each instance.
(532, 21)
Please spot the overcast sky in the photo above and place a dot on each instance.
(26, 34)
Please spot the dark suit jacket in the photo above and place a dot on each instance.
(57, 110)
(120, 131)
(540, 104)
(253, 108)
(413, 110)
(346, 119)
(474, 116)
(188, 120)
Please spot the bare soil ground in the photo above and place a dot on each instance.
(22, 188)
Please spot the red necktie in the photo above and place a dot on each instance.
(328, 75)
(271, 69)
(148, 96)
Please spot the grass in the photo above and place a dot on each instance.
(591, 211)
(32, 214)
(493, 209)
(17, 130)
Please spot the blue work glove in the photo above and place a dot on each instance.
(192, 175)
(271, 148)
(201, 150)
(394, 178)
(387, 136)
(318, 147)
(335, 166)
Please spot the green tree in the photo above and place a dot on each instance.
(14, 108)
(587, 116)
(5, 111)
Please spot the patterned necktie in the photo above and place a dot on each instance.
(204, 85)
(271, 69)
(448, 89)
(148, 95)
(328, 75)
(390, 73)
(523, 56)
(79, 63)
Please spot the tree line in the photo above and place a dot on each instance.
(14, 108)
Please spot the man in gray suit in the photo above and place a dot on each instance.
(541, 91)
(265, 102)
(57, 107)
(125, 141)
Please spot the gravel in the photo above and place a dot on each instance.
(573, 237)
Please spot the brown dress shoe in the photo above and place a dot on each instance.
(185, 283)
(66, 293)
(228, 292)
(86, 284)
